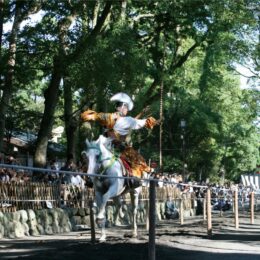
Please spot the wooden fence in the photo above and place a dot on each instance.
(16, 196)
(30, 195)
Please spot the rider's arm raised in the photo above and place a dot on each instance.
(105, 119)
(149, 122)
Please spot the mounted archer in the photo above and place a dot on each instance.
(119, 126)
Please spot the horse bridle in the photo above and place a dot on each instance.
(100, 160)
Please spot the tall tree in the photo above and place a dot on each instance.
(60, 63)
(51, 94)
(22, 9)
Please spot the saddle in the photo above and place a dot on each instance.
(127, 172)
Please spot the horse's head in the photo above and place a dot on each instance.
(96, 152)
(93, 154)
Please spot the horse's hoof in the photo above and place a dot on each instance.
(118, 224)
(102, 239)
(134, 235)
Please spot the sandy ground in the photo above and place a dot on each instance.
(173, 241)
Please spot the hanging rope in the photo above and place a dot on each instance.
(161, 113)
(161, 126)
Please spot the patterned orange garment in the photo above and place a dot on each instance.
(136, 161)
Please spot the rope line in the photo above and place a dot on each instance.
(44, 170)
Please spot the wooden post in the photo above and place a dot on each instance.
(242, 202)
(181, 212)
(252, 206)
(82, 196)
(221, 212)
(194, 206)
(65, 194)
(151, 244)
(59, 191)
(209, 220)
(233, 206)
(204, 208)
(236, 209)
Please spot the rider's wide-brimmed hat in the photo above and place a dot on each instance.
(124, 98)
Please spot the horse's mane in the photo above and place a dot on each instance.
(106, 141)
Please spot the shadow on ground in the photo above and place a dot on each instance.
(115, 249)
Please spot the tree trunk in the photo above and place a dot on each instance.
(70, 123)
(123, 10)
(205, 76)
(1, 39)
(1, 24)
(52, 93)
(51, 99)
(95, 14)
(8, 87)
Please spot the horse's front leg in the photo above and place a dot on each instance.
(102, 200)
(118, 210)
(101, 217)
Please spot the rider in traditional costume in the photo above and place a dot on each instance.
(118, 127)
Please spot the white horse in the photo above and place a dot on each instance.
(109, 184)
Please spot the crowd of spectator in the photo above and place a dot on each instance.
(167, 179)
(14, 174)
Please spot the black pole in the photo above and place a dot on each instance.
(92, 222)
(152, 197)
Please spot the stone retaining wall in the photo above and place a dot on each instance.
(54, 221)
(41, 222)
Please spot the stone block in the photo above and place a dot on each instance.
(85, 220)
(23, 216)
(76, 220)
(81, 212)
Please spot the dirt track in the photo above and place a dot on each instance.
(173, 241)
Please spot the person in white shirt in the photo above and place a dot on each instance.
(77, 180)
(119, 126)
